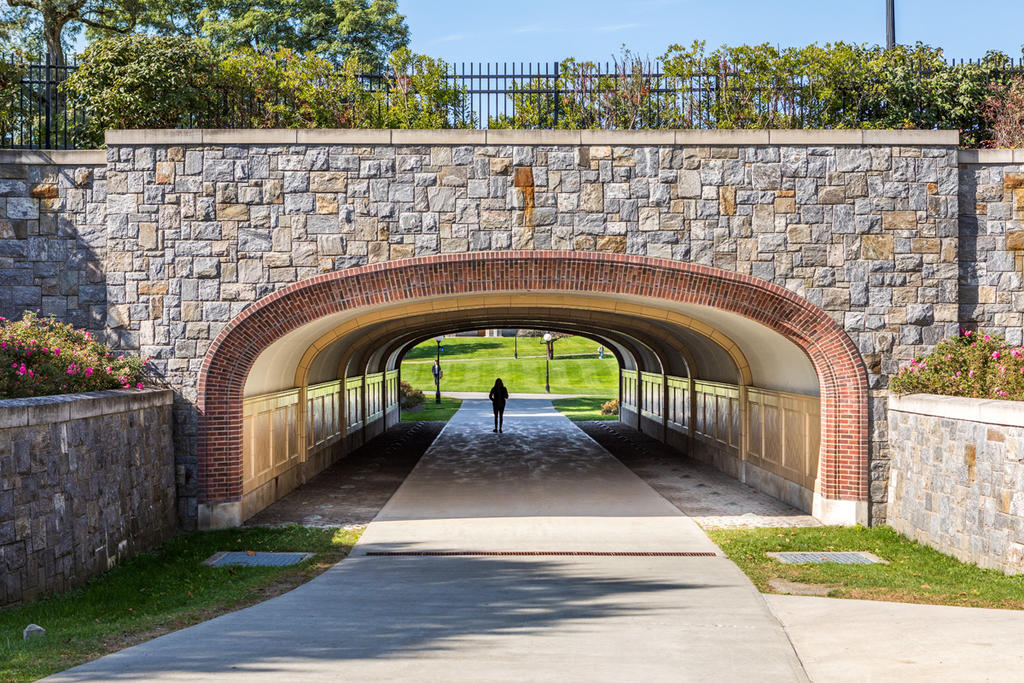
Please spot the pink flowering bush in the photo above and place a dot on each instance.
(973, 365)
(42, 357)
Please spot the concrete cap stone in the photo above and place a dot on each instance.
(986, 156)
(250, 136)
(55, 157)
(24, 412)
(453, 136)
(154, 136)
(628, 137)
(722, 137)
(912, 137)
(816, 137)
(503, 136)
(986, 411)
(344, 136)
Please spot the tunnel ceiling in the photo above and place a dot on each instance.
(649, 335)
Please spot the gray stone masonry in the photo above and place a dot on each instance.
(956, 478)
(86, 480)
(992, 242)
(871, 226)
(53, 216)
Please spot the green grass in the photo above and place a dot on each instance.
(431, 411)
(523, 376)
(582, 408)
(158, 592)
(502, 347)
(915, 573)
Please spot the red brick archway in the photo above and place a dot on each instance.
(841, 372)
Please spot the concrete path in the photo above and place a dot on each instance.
(864, 640)
(543, 485)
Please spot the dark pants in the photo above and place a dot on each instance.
(499, 414)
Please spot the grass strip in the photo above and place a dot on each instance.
(582, 408)
(432, 412)
(158, 592)
(915, 573)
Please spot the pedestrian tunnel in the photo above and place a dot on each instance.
(726, 369)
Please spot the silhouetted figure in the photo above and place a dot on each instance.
(498, 396)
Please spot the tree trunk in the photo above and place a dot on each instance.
(53, 28)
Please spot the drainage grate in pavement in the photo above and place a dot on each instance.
(255, 559)
(534, 553)
(821, 557)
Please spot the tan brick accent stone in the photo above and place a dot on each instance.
(899, 220)
(876, 247)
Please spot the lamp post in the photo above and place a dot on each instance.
(437, 371)
(890, 24)
(515, 345)
(547, 363)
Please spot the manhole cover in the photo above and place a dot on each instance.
(859, 557)
(254, 559)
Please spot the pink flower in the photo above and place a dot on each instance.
(88, 372)
(971, 373)
(949, 357)
(138, 385)
(988, 338)
(56, 351)
(21, 370)
(968, 333)
(995, 355)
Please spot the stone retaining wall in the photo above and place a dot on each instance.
(86, 480)
(956, 480)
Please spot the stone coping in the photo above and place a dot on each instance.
(987, 411)
(991, 156)
(25, 412)
(54, 157)
(530, 137)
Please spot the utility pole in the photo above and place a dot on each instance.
(890, 24)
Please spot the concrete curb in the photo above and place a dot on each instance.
(532, 137)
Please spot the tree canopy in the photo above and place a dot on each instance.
(369, 30)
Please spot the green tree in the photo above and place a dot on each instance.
(116, 16)
(368, 30)
(140, 81)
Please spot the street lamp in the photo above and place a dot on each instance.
(437, 371)
(547, 362)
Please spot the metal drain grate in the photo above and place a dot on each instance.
(533, 553)
(822, 557)
(254, 559)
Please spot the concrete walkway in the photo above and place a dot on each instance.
(543, 485)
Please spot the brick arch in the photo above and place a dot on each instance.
(841, 372)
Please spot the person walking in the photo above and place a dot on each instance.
(498, 396)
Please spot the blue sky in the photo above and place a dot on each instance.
(546, 30)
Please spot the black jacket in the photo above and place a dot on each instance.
(498, 396)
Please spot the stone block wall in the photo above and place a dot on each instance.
(865, 228)
(992, 241)
(52, 235)
(956, 478)
(86, 480)
(897, 235)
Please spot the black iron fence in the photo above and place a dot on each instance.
(36, 113)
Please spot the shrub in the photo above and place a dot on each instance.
(410, 398)
(286, 89)
(972, 365)
(142, 81)
(1004, 113)
(42, 357)
(610, 407)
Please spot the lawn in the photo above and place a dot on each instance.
(915, 573)
(582, 408)
(431, 411)
(158, 592)
(502, 347)
(523, 376)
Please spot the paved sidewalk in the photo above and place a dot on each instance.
(543, 485)
(864, 640)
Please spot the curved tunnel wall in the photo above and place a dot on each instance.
(340, 303)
